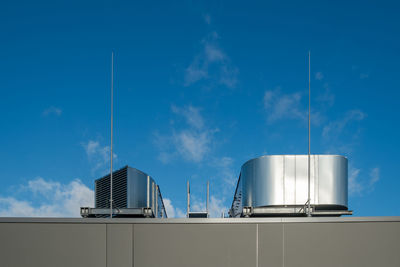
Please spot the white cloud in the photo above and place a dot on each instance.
(195, 73)
(172, 212)
(227, 178)
(213, 53)
(197, 204)
(40, 186)
(226, 174)
(52, 110)
(358, 186)
(211, 64)
(355, 186)
(342, 135)
(280, 106)
(228, 76)
(217, 207)
(169, 208)
(192, 145)
(48, 199)
(98, 156)
(364, 76)
(283, 106)
(335, 128)
(319, 76)
(191, 142)
(374, 176)
(191, 114)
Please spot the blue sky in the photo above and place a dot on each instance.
(200, 88)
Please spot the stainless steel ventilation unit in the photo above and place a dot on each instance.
(134, 194)
(278, 186)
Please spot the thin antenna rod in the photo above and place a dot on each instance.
(188, 200)
(309, 131)
(111, 152)
(208, 197)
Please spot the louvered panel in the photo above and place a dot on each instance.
(128, 184)
(102, 188)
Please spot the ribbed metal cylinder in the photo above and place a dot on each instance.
(282, 180)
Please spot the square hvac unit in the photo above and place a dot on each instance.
(135, 193)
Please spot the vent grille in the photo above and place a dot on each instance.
(102, 188)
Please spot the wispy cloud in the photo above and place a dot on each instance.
(195, 72)
(225, 174)
(374, 176)
(192, 145)
(191, 114)
(48, 199)
(355, 186)
(283, 106)
(211, 64)
(280, 106)
(326, 98)
(335, 128)
(217, 207)
(342, 135)
(359, 186)
(319, 76)
(98, 156)
(192, 142)
(52, 111)
(228, 176)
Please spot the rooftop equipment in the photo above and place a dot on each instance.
(135, 194)
(278, 186)
(197, 214)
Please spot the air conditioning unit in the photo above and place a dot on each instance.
(135, 193)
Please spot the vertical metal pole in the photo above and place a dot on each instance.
(111, 154)
(153, 197)
(208, 197)
(188, 200)
(309, 135)
(156, 208)
(148, 192)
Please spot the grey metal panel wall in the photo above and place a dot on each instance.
(183, 245)
(270, 245)
(284, 242)
(342, 244)
(50, 245)
(119, 245)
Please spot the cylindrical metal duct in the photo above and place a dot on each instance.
(282, 180)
